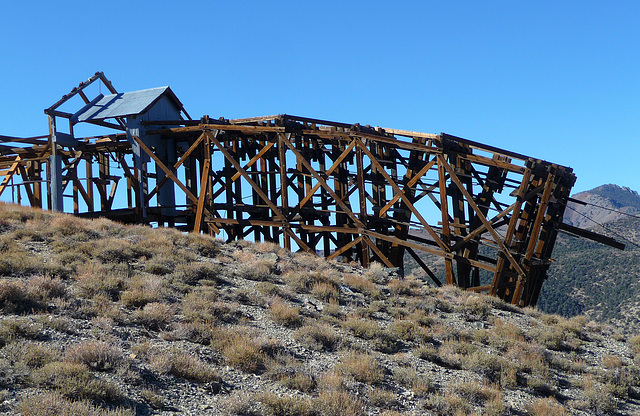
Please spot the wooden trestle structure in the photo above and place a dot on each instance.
(346, 191)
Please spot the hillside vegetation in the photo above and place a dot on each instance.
(594, 279)
(102, 318)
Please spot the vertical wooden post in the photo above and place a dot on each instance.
(363, 203)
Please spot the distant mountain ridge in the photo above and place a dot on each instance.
(591, 278)
(604, 201)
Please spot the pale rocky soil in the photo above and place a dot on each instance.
(451, 341)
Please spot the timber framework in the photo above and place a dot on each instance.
(468, 214)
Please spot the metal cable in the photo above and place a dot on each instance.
(609, 209)
(605, 228)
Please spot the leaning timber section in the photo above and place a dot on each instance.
(486, 216)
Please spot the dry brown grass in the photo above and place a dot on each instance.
(331, 380)
(97, 355)
(154, 315)
(338, 403)
(317, 336)
(95, 279)
(12, 328)
(362, 328)
(361, 284)
(475, 392)
(284, 314)
(634, 343)
(362, 367)
(183, 365)
(546, 407)
(447, 404)
(33, 354)
(326, 291)
(141, 290)
(418, 383)
(383, 398)
(52, 403)
(241, 349)
(74, 381)
(280, 405)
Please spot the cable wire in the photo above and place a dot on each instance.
(609, 209)
(603, 227)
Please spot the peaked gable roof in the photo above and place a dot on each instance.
(123, 104)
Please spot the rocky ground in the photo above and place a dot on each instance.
(100, 318)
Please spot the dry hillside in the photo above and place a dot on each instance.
(102, 318)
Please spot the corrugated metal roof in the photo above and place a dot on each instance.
(123, 104)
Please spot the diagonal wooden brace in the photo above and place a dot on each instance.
(170, 174)
(472, 204)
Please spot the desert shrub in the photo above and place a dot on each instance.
(381, 397)
(377, 274)
(31, 353)
(280, 405)
(272, 289)
(634, 343)
(447, 404)
(96, 279)
(192, 273)
(200, 332)
(52, 403)
(598, 398)
(325, 291)
(241, 349)
(546, 407)
(475, 392)
(116, 250)
(299, 381)
(299, 281)
(362, 328)
(255, 268)
(284, 314)
(15, 297)
(204, 245)
(611, 362)
(452, 352)
(152, 397)
(408, 377)
(158, 267)
(475, 306)
(427, 352)
(241, 403)
(290, 374)
(197, 305)
(404, 287)
(331, 380)
(503, 335)
(19, 262)
(140, 290)
(183, 365)
(362, 367)
(44, 287)
(317, 336)
(386, 342)
(338, 403)
(19, 327)
(405, 330)
(73, 380)
(68, 225)
(362, 285)
(97, 355)
(154, 315)
(482, 362)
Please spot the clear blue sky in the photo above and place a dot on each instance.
(555, 80)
